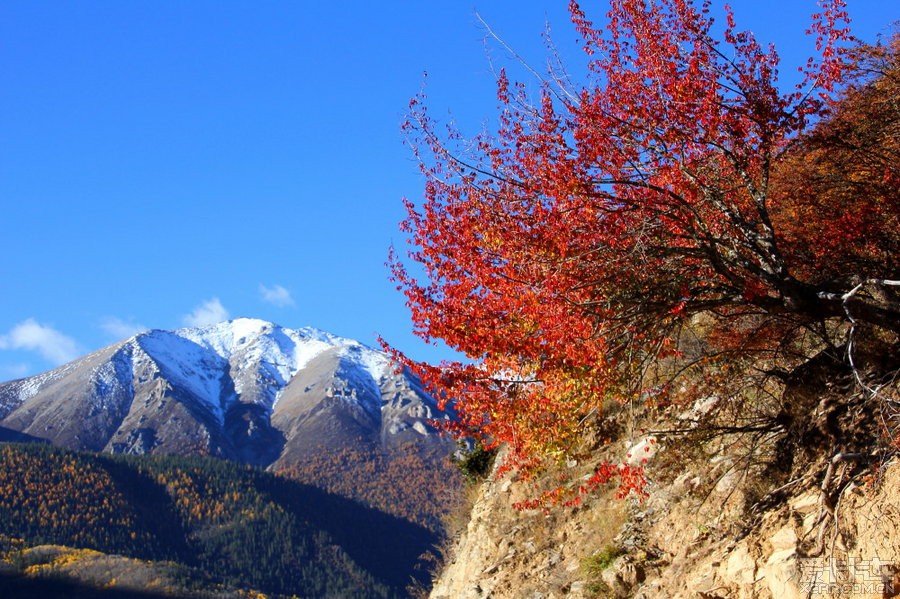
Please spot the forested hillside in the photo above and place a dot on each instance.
(406, 482)
(216, 525)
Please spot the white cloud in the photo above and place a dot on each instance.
(121, 329)
(47, 341)
(209, 312)
(276, 295)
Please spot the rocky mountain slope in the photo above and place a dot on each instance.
(691, 539)
(250, 391)
(716, 526)
(244, 389)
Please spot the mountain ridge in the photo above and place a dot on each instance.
(210, 371)
(246, 390)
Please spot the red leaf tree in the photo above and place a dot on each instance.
(566, 252)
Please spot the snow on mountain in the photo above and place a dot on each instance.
(247, 359)
(112, 380)
(284, 347)
(325, 409)
(187, 365)
(246, 389)
(257, 352)
(218, 363)
(30, 386)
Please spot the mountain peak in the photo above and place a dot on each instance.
(325, 409)
(242, 326)
(229, 336)
(240, 387)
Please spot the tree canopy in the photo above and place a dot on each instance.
(677, 187)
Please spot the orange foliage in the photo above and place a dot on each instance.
(837, 194)
(402, 482)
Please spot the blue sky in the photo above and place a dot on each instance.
(165, 163)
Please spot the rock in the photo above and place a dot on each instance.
(785, 539)
(701, 581)
(613, 583)
(683, 483)
(728, 481)
(805, 503)
(665, 557)
(642, 451)
(739, 569)
(630, 573)
(783, 575)
(701, 407)
(810, 521)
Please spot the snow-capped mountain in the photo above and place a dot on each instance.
(245, 389)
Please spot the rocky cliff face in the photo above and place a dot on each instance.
(702, 533)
